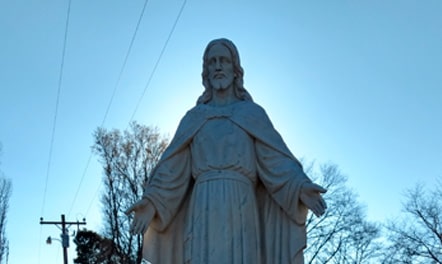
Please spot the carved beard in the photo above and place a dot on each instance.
(220, 84)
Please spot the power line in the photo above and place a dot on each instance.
(147, 85)
(81, 182)
(117, 84)
(125, 60)
(93, 198)
(158, 60)
(54, 123)
(60, 79)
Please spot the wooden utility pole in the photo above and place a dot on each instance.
(64, 232)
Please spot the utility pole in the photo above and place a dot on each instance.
(64, 232)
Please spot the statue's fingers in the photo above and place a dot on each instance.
(143, 230)
(136, 206)
(313, 208)
(314, 187)
(131, 209)
(323, 203)
(319, 208)
(316, 212)
(136, 226)
(132, 227)
(319, 188)
(136, 229)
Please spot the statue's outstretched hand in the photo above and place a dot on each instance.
(144, 213)
(311, 197)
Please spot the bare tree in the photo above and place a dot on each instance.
(5, 194)
(417, 237)
(342, 235)
(128, 159)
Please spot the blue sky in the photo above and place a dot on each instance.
(356, 83)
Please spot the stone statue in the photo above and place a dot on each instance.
(227, 189)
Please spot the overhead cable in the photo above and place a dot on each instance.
(54, 122)
(158, 60)
(117, 84)
(147, 84)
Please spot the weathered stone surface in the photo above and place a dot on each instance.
(227, 189)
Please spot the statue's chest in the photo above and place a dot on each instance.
(222, 143)
(220, 133)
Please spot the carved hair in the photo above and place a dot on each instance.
(238, 83)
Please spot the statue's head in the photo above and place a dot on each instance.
(239, 91)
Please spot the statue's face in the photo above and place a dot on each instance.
(220, 67)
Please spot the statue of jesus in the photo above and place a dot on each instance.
(227, 189)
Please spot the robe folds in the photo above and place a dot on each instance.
(226, 190)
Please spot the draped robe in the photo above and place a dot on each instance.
(226, 190)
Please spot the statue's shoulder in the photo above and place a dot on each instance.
(195, 111)
(251, 109)
(189, 124)
(192, 113)
(253, 106)
(191, 119)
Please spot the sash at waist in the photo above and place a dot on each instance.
(223, 175)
